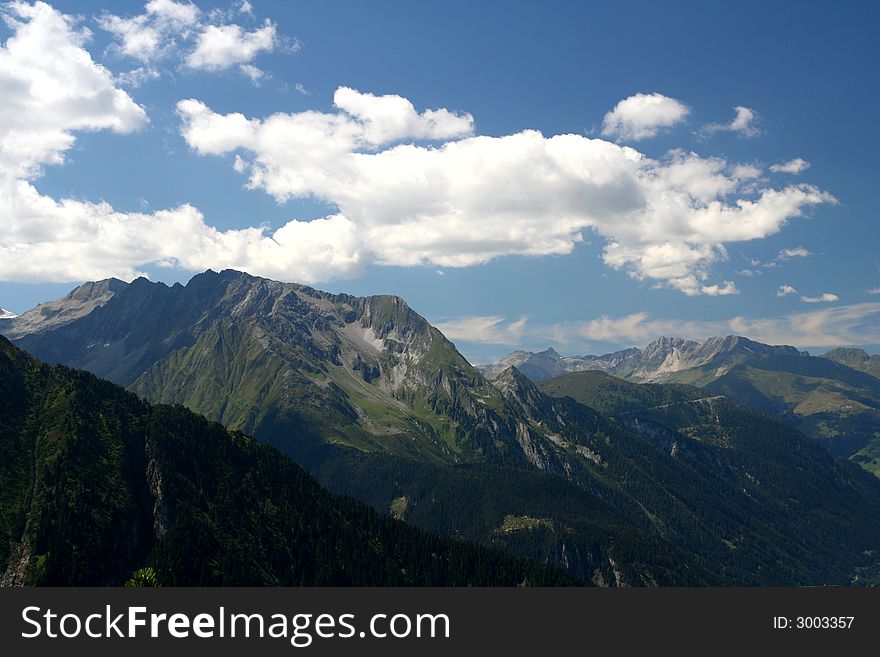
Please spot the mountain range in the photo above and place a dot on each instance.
(379, 405)
(96, 486)
(834, 398)
(664, 360)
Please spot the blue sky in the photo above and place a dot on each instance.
(717, 178)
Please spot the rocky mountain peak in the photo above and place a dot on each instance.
(517, 387)
(663, 345)
(78, 303)
(661, 360)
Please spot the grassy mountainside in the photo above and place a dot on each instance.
(297, 367)
(833, 399)
(530, 514)
(830, 402)
(759, 485)
(857, 359)
(611, 395)
(96, 484)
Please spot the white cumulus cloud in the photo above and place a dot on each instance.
(219, 47)
(410, 187)
(785, 290)
(44, 239)
(169, 30)
(642, 116)
(151, 35)
(474, 198)
(50, 88)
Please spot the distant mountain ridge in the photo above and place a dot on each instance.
(857, 359)
(663, 360)
(834, 398)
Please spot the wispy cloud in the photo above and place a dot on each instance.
(826, 297)
(782, 256)
(797, 252)
(854, 324)
(484, 330)
(744, 123)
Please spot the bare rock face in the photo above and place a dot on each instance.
(53, 314)
(536, 366)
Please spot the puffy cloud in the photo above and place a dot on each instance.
(214, 134)
(390, 118)
(642, 116)
(51, 87)
(44, 239)
(180, 13)
(211, 40)
(219, 47)
(784, 290)
(745, 171)
(743, 123)
(854, 324)
(826, 297)
(795, 166)
(70, 240)
(410, 187)
(473, 198)
(151, 35)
